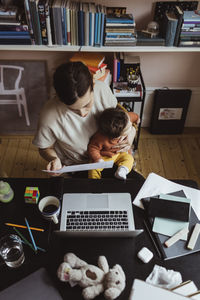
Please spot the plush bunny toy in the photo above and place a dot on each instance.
(94, 280)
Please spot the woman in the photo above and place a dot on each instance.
(68, 121)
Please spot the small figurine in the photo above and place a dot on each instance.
(6, 192)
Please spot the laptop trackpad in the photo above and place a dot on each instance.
(97, 201)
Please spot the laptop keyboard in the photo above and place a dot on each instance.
(97, 221)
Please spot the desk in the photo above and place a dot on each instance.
(117, 250)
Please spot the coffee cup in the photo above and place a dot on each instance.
(49, 207)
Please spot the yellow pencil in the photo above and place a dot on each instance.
(22, 226)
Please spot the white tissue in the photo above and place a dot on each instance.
(162, 277)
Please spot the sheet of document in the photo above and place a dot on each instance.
(155, 185)
(84, 167)
(142, 290)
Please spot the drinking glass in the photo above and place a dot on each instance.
(11, 250)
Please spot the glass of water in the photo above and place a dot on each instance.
(11, 250)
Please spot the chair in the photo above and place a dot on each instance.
(11, 75)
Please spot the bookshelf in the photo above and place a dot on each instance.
(135, 49)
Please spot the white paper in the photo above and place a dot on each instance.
(142, 290)
(84, 167)
(155, 185)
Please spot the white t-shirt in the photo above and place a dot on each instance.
(69, 132)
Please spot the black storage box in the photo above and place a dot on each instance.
(169, 111)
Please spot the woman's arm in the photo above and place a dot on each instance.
(49, 154)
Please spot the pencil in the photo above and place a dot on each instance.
(33, 241)
(22, 226)
(23, 238)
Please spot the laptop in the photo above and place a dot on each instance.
(37, 285)
(98, 215)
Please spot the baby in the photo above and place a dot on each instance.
(113, 141)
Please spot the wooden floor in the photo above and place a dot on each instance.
(171, 156)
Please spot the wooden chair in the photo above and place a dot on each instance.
(6, 72)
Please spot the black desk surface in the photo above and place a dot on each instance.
(117, 250)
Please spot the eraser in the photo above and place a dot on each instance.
(145, 255)
(194, 237)
(177, 236)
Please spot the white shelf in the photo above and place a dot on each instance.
(140, 49)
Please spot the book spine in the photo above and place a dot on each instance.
(42, 18)
(64, 25)
(35, 22)
(68, 27)
(96, 28)
(48, 23)
(28, 20)
(52, 24)
(102, 29)
(178, 30)
(170, 32)
(115, 69)
(81, 28)
(118, 70)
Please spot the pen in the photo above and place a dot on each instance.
(22, 226)
(33, 241)
(154, 243)
(23, 238)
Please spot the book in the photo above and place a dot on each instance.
(97, 70)
(106, 77)
(179, 248)
(144, 40)
(120, 19)
(57, 22)
(92, 10)
(35, 21)
(189, 44)
(170, 25)
(89, 58)
(179, 14)
(81, 26)
(191, 16)
(48, 22)
(42, 18)
(86, 23)
(115, 10)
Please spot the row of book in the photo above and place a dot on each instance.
(190, 30)
(11, 30)
(96, 65)
(181, 28)
(120, 30)
(58, 22)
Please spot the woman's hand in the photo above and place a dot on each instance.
(54, 165)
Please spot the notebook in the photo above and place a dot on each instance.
(98, 215)
(37, 285)
(179, 248)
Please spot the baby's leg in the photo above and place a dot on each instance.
(125, 164)
(95, 174)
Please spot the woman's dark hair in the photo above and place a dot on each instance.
(112, 121)
(72, 80)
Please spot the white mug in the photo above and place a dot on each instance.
(49, 207)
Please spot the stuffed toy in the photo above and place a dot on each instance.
(94, 280)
